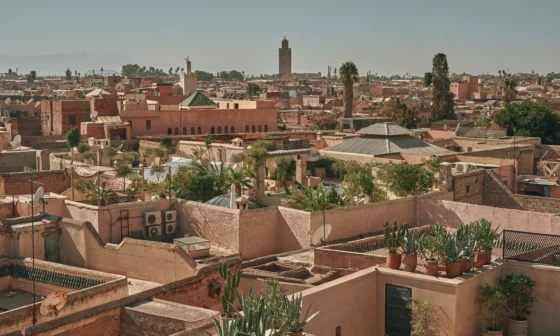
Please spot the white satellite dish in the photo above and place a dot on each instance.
(38, 196)
(322, 233)
(53, 304)
(16, 143)
(93, 115)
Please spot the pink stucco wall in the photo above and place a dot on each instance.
(161, 120)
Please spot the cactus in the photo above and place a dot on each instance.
(393, 237)
(409, 242)
(231, 284)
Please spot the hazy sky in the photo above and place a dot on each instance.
(385, 37)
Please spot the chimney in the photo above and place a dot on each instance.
(188, 68)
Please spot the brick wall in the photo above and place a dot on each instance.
(496, 193)
(538, 204)
(468, 188)
(524, 154)
(194, 291)
(55, 181)
(106, 324)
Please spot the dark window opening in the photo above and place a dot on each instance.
(148, 125)
(226, 130)
(192, 130)
(176, 130)
(212, 131)
(198, 131)
(247, 129)
(232, 129)
(169, 131)
(266, 128)
(219, 129)
(72, 120)
(253, 128)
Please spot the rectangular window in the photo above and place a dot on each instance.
(148, 125)
(236, 106)
(72, 120)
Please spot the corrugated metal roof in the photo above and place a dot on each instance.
(384, 145)
(384, 129)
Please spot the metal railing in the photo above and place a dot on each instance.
(531, 247)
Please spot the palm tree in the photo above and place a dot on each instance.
(238, 179)
(348, 75)
(507, 89)
(313, 200)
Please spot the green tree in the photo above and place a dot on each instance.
(442, 98)
(83, 147)
(407, 179)
(170, 71)
(122, 170)
(311, 200)
(400, 113)
(190, 185)
(68, 74)
(32, 76)
(507, 89)
(253, 89)
(204, 76)
(428, 78)
(166, 141)
(529, 119)
(348, 75)
(73, 139)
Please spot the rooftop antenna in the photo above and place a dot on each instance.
(53, 304)
(16, 143)
(93, 115)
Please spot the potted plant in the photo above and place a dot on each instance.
(410, 250)
(393, 238)
(486, 236)
(518, 290)
(452, 255)
(469, 248)
(430, 245)
(493, 301)
(293, 309)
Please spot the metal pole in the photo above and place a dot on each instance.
(170, 187)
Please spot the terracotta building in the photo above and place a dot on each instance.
(466, 89)
(199, 114)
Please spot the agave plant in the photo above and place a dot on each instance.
(294, 308)
(485, 235)
(451, 250)
(410, 242)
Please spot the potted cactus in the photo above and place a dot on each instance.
(294, 322)
(493, 301)
(393, 238)
(230, 289)
(430, 246)
(518, 290)
(469, 249)
(410, 250)
(452, 255)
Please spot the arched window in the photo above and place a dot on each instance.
(226, 130)
(219, 129)
(260, 128)
(266, 128)
(176, 130)
(169, 131)
(246, 128)
(232, 129)
(192, 130)
(198, 131)
(184, 131)
(253, 128)
(212, 131)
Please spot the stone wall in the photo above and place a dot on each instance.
(14, 161)
(496, 193)
(538, 204)
(524, 154)
(468, 187)
(106, 324)
(55, 181)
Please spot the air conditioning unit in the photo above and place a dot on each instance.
(169, 216)
(152, 218)
(153, 231)
(170, 228)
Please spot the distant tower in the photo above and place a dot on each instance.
(285, 60)
(188, 79)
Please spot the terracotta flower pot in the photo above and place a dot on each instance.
(518, 328)
(480, 259)
(410, 261)
(488, 257)
(431, 267)
(463, 265)
(453, 269)
(467, 264)
(394, 260)
(297, 333)
(493, 333)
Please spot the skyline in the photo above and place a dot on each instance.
(385, 38)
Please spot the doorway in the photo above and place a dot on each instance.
(52, 247)
(397, 314)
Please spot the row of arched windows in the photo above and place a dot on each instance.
(218, 130)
